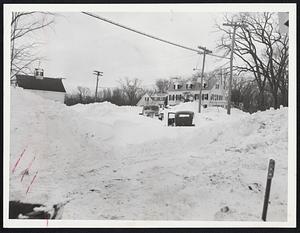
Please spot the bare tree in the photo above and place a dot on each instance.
(118, 97)
(132, 90)
(162, 85)
(256, 47)
(83, 93)
(24, 24)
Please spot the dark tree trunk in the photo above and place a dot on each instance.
(275, 100)
(261, 101)
(284, 97)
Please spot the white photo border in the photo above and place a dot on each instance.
(218, 7)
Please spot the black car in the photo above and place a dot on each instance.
(180, 118)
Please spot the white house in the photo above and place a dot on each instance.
(49, 88)
(145, 100)
(159, 99)
(155, 99)
(213, 92)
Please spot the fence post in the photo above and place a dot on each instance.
(268, 187)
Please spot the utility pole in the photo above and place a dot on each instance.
(234, 25)
(98, 73)
(205, 51)
(221, 76)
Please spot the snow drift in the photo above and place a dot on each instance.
(108, 162)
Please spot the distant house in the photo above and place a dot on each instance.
(49, 88)
(155, 99)
(213, 92)
(159, 99)
(145, 100)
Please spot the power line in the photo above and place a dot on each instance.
(142, 33)
(214, 55)
(147, 35)
(223, 65)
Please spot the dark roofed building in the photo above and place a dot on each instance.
(45, 84)
(50, 88)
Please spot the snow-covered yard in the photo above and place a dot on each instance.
(109, 162)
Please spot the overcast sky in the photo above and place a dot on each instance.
(78, 44)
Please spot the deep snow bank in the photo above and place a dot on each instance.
(112, 163)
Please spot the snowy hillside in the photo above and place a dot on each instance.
(112, 163)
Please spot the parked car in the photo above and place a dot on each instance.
(161, 116)
(180, 118)
(171, 118)
(150, 111)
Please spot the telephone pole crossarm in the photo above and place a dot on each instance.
(98, 73)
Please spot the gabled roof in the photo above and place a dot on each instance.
(45, 84)
(196, 85)
(159, 94)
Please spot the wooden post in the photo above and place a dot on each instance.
(230, 77)
(98, 73)
(201, 82)
(205, 51)
(234, 25)
(268, 187)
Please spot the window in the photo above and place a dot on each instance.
(217, 86)
(173, 97)
(204, 96)
(188, 85)
(177, 86)
(204, 85)
(170, 97)
(212, 97)
(146, 98)
(196, 96)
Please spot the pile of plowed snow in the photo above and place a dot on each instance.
(109, 162)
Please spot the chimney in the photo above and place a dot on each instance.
(39, 73)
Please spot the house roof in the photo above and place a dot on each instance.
(45, 84)
(159, 94)
(196, 85)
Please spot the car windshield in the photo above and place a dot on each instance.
(152, 108)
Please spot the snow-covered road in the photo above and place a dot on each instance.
(112, 163)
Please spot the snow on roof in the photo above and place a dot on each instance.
(196, 85)
(159, 94)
